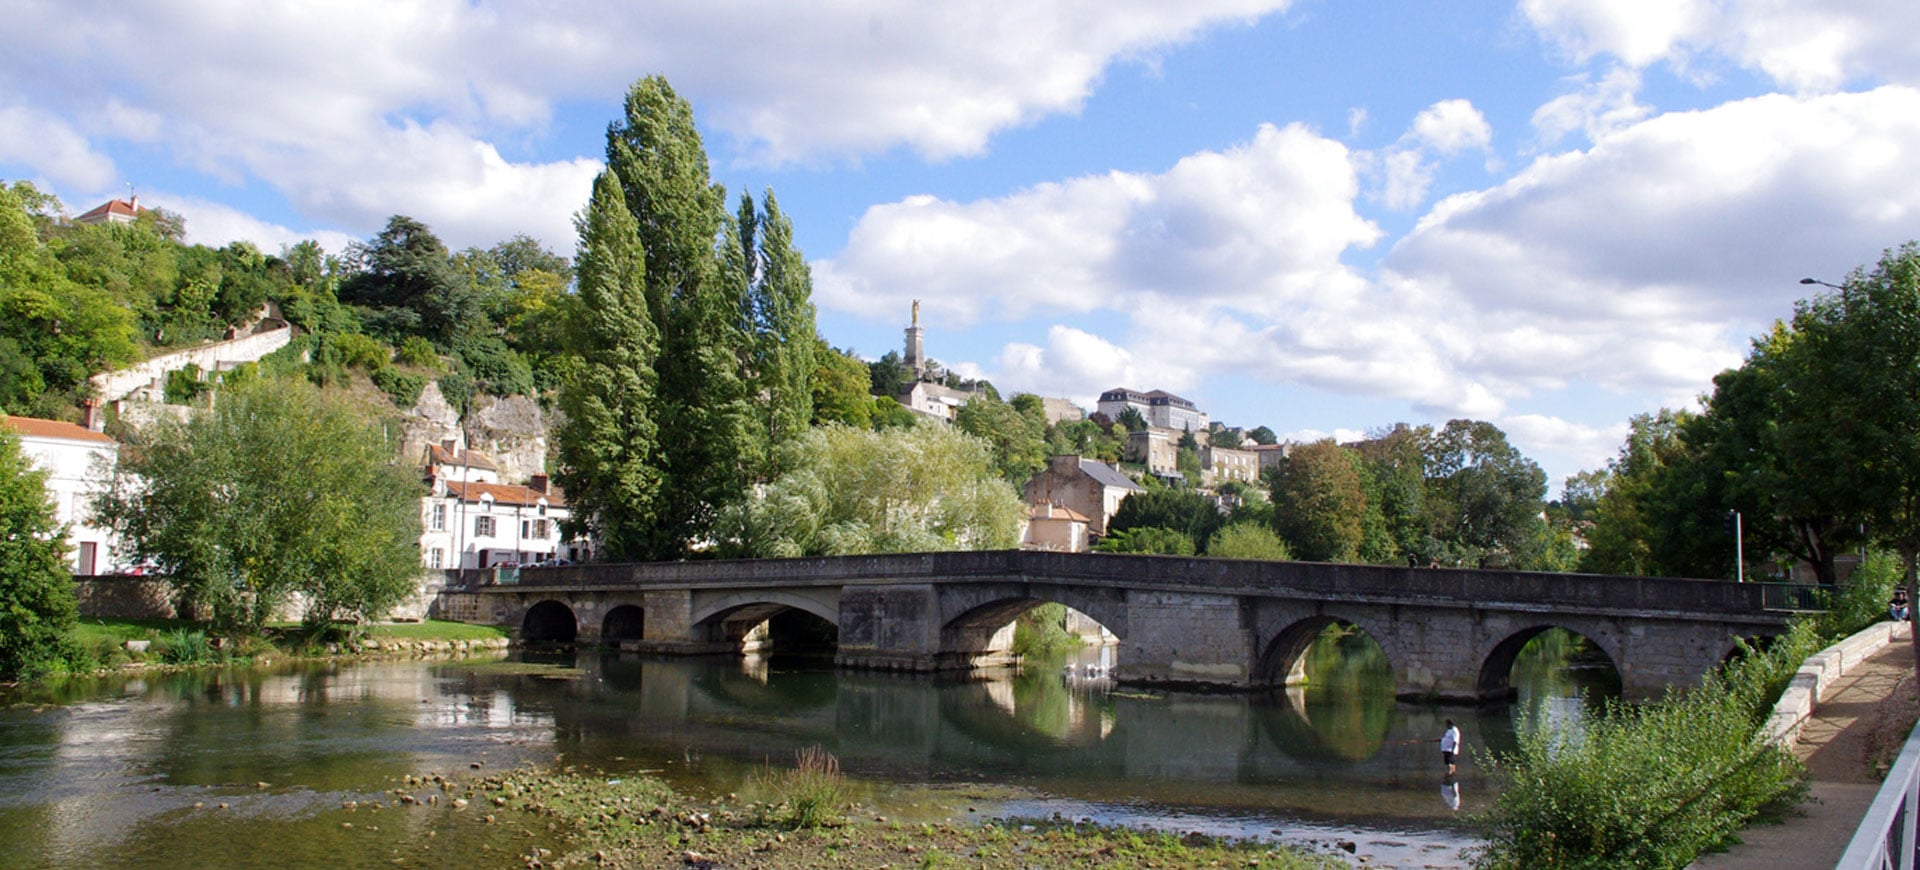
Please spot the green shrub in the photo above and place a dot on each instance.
(1150, 539)
(184, 646)
(457, 389)
(1043, 630)
(1650, 785)
(363, 352)
(810, 795)
(418, 352)
(1248, 540)
(404, 389)
(1862, 600)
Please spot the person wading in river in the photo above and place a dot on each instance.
(1449, 745)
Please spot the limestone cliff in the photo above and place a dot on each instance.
(512, 431)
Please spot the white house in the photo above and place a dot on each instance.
(77, 461)
(469, 519)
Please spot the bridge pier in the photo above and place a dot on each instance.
(1182, 638)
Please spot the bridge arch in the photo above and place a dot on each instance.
(768, 621)
(1496, 667)
(1283, 660)
(550, 621)
(624, 622)
(705, 612)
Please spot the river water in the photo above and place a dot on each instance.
(254, 767)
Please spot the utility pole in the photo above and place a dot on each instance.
(1733, 524)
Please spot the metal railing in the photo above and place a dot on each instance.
(1885, 839)
(1796, 596)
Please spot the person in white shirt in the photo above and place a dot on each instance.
(1450, 746)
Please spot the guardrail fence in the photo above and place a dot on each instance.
(1885, 839)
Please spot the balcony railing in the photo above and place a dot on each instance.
(1796, 596)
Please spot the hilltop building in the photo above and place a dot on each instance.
(1161, 410)
(113, 211)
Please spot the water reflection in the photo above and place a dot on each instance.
(108, 771)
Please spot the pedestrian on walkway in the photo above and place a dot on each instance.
(1897, 608)
(1450, 746)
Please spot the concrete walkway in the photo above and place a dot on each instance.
(1834, 744)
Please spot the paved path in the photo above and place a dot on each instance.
(1833, 744)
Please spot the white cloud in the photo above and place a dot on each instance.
(362, 108)
(1406, 168)
(1075, 364)
(1811, 45)
(58, 152)
(1596, 109)
(1308, 436)
(1644, 262)
(216, 225)
(1563, 447)
(1257, 226)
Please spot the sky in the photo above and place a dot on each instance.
(1321, 217)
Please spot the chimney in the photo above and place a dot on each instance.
(133, 203)
(539, 484)
(87, 407)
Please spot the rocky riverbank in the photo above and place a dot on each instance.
(639, 821)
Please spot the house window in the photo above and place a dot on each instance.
(483, 527)
(534, 529)
(435, 557)
(438, 522)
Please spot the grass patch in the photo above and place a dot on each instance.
(94, 629)
(811, 795)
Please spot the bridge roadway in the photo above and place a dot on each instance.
(1450, 634)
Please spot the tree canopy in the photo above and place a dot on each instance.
(37, 609)
(278, 489)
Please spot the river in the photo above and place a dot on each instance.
(257, 766)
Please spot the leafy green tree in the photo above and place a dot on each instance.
(702, 399)
(1319, 502)
(1147, 539)
(1085, 438)
(1262, 435)
(1631, 516)
(779, 291)
(1484, 498)
(1248, 540)
(1182, 510)
(1396, 489)
(278, 489)
(887, 375)
(37, 609)
(607, 449)
(1856, 398)
(1018, 439)
(850, 491)
(840, 388)
(407, 268)
(1129, 419)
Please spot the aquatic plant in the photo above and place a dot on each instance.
(811, 794)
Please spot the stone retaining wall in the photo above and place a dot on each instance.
(116, 597)
(1811, 682)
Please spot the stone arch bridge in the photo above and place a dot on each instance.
(1450, 635)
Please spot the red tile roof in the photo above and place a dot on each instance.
(39, 428)
(505, 493)
(107, 210)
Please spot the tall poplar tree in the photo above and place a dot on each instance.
(780, 298)
(608, 448)
(706, 446)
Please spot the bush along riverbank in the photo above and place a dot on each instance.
(1657, 784)
(800, 820)
(108, 644)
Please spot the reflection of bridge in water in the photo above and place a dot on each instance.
(1447, 634)
(1257, 752)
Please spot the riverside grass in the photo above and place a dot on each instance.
(1656, 785)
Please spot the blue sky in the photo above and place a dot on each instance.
(1320, 217)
